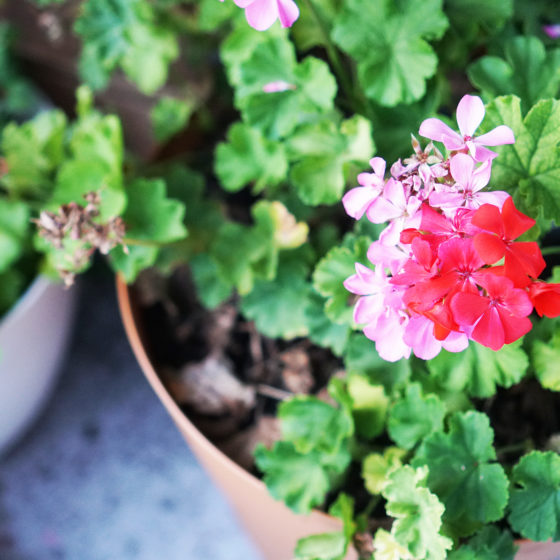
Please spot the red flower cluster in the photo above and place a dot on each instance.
(469, 275)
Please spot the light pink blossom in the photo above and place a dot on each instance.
(470, 113)
(469, 181)
(358, 200)
(261, 14)
(278, 86)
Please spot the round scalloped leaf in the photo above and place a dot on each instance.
(535, 499)
(473, 489)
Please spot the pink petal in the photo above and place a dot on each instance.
(378, 165)
(470, 113)
(461, 167)
(288, 12)
(480, 153)
(489, 331)
(356, 201)
(481, 176)
(261, 14)
(381, 211)
(243, 3)
(434, 129)
(497, 137)
(419, 335)
(455, 342)
(368, 309)
(365, 281)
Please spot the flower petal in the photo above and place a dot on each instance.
(288, 12)
(497, 137)
(470, 113)
(489, 331)
(261, 14)
(434, 129)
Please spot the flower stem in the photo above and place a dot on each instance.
(332, 52)
(552, 250)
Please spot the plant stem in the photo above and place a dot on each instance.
(332, 52)
(552, 250)
(514, 447)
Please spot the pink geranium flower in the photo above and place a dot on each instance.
(261, 14)
(470, 113)
(468, 183)
(358, 200)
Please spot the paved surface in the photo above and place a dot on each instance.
(104, 474)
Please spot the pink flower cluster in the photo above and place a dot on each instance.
(447, 266)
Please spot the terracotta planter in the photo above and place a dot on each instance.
(33, 339)
(273, 527)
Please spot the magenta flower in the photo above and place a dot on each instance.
(470, 113)
(261, 14)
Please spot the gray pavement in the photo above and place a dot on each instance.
(104, 474)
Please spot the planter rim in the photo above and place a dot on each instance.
(27, 299)
(135, 340)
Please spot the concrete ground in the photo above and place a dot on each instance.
(104, 474)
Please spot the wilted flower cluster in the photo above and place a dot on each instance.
(448, 268)
(80, 225)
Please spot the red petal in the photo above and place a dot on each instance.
(515, 222)
(488, 218)
(467, 307)
(514, 327)
(545, 298)
(489, 331)
(528, 256)
(490, 248)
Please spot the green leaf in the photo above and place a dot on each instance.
(321, 152)
(479, 369)
(395, 61)
(473, 489)
(376, 468)
(417, 514)
(360, 356)
(95, 163)
(322, 330)
(170, 115)
(488, 544)
(530, 168)
(415, 416)
(115, 33)
(369, 406)
(535, 498)
(330, 546)
(312, 424)
(310, 88)
(248, 157)
(468, 17)
(32, 152)
(331, 272)
(528, 71)
(326, 546)
(278, 306)
(387, 548)
(546, 357)
(14, 231)
(210, 288)
(150, 217)
(298, 479)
